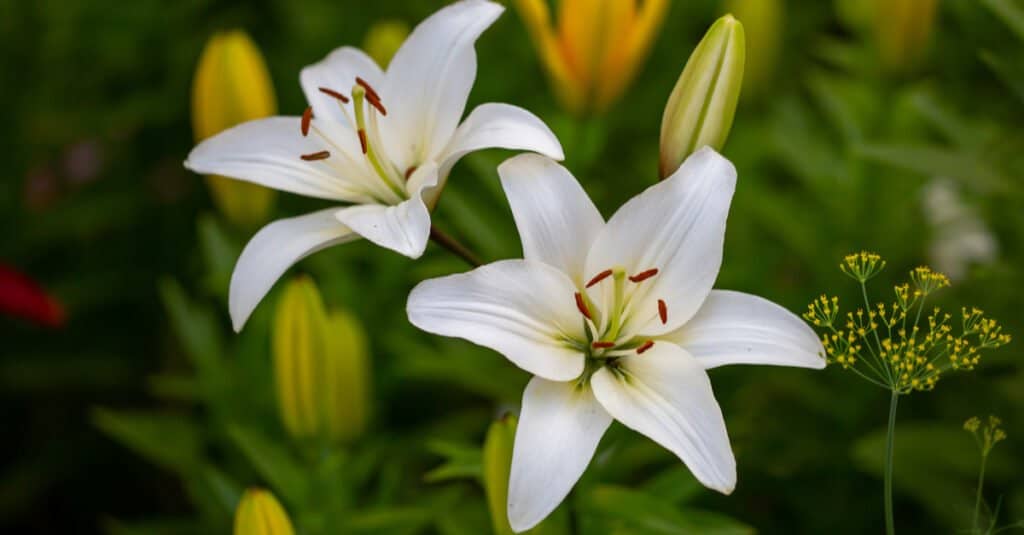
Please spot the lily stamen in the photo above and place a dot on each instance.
(599, 277)
(662, 311)
(582, 306)
(644, 347)
(602, 345)
(307, 116)
(311, 157)
(409, 172)
(644, 275)
(335, 94)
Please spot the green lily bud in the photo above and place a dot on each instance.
(232, 85)
(762, 28)
(320, 366)
(383, 39)
(700, 110)
(903, 29)
(497, 467)
(259, 513)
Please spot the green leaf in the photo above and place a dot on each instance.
(462, 461)
(1010, 12)
(1009, 69)
(273, 461)
(932, 161)
(219, 254)
(169, 440)
(199, 333)
(626, 510)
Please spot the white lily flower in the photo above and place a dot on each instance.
(383, 142)
(615, 320)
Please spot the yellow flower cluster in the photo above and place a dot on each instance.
(890, 345)
(991, 432)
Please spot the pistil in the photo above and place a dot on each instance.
(359, 94)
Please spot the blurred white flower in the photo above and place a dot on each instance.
(960, 237)
(381, 141)
(615, 320)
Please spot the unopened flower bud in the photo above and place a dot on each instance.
(903, 29)
(497, 467)
(259, 513)
(700, 110)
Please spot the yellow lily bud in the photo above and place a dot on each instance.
(701, 108)
(321, 367)
(762, 28)
(383, 39)
(232, 86)
(596, 49)
(497, 467)
(259, 513)
(903, 29)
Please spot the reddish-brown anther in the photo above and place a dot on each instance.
(409, 172)
(662, 311)
(644, 275)
(362, 139)
(370, 92)
(599, 277)
(312, 157)
(375, 102)
(602, 345)
(644, 347)
(334, 94)
(582, 306)
(307, 116)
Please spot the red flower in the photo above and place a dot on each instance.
(21, 297)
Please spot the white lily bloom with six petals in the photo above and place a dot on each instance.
(614, 320)
(381, 142)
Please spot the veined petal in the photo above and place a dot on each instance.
(559, 428)
(738, 328)
(556, 219)
(666, 395)
(524, 310)
(677, 227)
(338, 72)
(500, 126)
(428, 81)
(403, 228)
(268, 152)
(274, 249)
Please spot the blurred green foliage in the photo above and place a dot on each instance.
(146, 415)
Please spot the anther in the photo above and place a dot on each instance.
(362, 139)
(582, 306)
(375, 102)
(644, 275)
(410, 171)
(602, 345)
(662, 311)
(322, 155)
(370, 92)
(306, 117)
(599, 277)
(334, 94)
(644, 347)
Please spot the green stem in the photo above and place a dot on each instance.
(453, 246)
(890, 525)
(977, 500)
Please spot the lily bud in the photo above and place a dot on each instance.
(259, 513)
(762, 28)
(700, 110)
(497, 458)
(903, 29)
(232, 86)
(321, 367)
(383, 39)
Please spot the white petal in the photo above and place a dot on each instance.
(502, 126)
(666, 395)
(678, 227)
(403, 228)
(739, 328)
(557, 222)
(274, 249)
(559, 429)
(267, 152)
(338, 72)
(521, 309)
(428, 81)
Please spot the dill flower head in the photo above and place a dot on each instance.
(986, 435)
(901, 345)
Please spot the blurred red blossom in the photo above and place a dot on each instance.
(22, 297)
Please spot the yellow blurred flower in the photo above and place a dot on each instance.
(903, 29)
(259, 513)
(383, 39)
(597, 47)
(321, 367)
(232, 86)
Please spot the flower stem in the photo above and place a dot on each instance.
(890, 525)
(977, 500)
(454, 247)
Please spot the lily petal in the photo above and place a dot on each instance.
(428, 81)
(666, 395)
(403, 228)
(338, 72)
(556, 219)
(738, 328)
(274, 249)
(559, 429)
(502, 126)
(677, 227)
(267, 152)
(519, 308)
